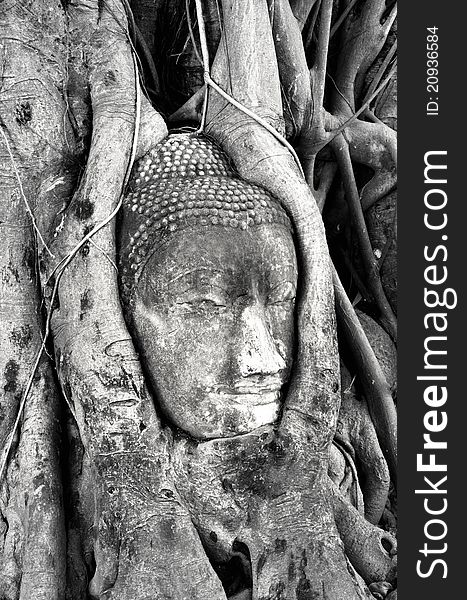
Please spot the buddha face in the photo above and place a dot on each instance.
(214, 321)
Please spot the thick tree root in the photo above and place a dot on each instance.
(264, 508)
(356, 431)
(374, 384)
(32, 147)
(371, 550)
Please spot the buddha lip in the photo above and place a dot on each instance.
(251, 395)
(255, 391)
(251, 387)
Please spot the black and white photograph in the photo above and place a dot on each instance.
(200, 362)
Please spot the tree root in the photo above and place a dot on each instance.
(43, 561)
(136, 513)
(373, 280)
(355, 431)
(301, 10)
(32, 544)
(293, 70)
(372, 379)
(371, 550)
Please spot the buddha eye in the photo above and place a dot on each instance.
(208, 303)
(282, 294)
(202, 305)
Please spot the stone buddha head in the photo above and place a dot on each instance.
(208, 280)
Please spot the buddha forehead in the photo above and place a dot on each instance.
(237, 261)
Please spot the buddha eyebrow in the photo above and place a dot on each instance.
(194, 270)
(284, 284)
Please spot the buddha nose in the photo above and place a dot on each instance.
(258, 354)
